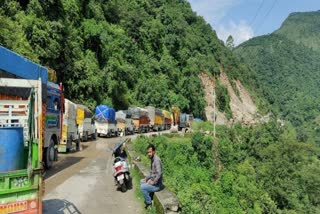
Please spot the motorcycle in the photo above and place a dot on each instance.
(121, 167)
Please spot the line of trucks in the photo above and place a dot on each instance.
(138, 120)
(37, 122)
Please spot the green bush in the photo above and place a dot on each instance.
(262, 170)
(202, 126)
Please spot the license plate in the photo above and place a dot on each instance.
(120, 177)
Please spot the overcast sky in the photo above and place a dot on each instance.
(244, 19)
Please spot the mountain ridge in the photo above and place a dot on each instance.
(288, 72)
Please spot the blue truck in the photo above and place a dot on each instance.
(14, 66)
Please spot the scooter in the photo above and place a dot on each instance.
(120, 167)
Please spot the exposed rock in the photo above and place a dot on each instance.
(209, 85)
(241, 104)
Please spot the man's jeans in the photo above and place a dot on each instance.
(146, 189)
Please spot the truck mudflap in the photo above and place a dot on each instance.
(18, 194)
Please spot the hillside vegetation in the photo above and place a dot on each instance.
(262, 169)
(302, 28)
(152, 52)
(287, 68)
(120, 52)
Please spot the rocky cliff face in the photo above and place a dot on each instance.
(242, 106)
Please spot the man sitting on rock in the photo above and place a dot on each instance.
(153, 182)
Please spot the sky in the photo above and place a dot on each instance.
(244, 19)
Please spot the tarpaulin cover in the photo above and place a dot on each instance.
(167, 114)
(21, 67)
(120, 116)
(70, 109)
(87, 112)
(128, 113)
(137, 112)
(104, 112)
(152, 112)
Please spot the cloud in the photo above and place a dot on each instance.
(212, 10)
(215, 12)
(239, 31)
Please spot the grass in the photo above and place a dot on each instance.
(136, 184)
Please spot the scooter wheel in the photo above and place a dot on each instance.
(123, 187)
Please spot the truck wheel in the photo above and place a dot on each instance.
(78, 144)
(85, 137)
(50, 155)
(94, 135)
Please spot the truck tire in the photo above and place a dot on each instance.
(50, 155)
(94, 135)
(78, 144)
(85, 137)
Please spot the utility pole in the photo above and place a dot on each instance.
(214, 108)
(214, 146)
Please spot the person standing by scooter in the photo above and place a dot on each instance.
(153, 182)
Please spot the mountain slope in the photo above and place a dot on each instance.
(302, 28)
(288, 71)
(120, 52)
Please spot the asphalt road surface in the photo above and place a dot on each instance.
(82, 182)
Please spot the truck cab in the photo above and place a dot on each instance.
(16, 67)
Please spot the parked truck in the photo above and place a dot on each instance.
(124, 122)
(190, 119)
(156, 118)
(182, 121)
(167, 119)
(16, 67)
(105, 121)
(140, 119)
(86, 125)
(22, 134)
(175, 115)
(70, 136)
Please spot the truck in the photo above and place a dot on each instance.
(105, 121)
(175, 115)
(15, 67)
(167, 119)
(86, 124)
(21, 144)
(140, 119)
(190, 119)
(156, 118)
(124, 122)
(70, 137)
(182, 121)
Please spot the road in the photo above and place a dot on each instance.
(82, 182)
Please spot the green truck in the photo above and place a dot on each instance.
(21, 180)
(31, 113)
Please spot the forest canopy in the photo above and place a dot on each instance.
(119, 52)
